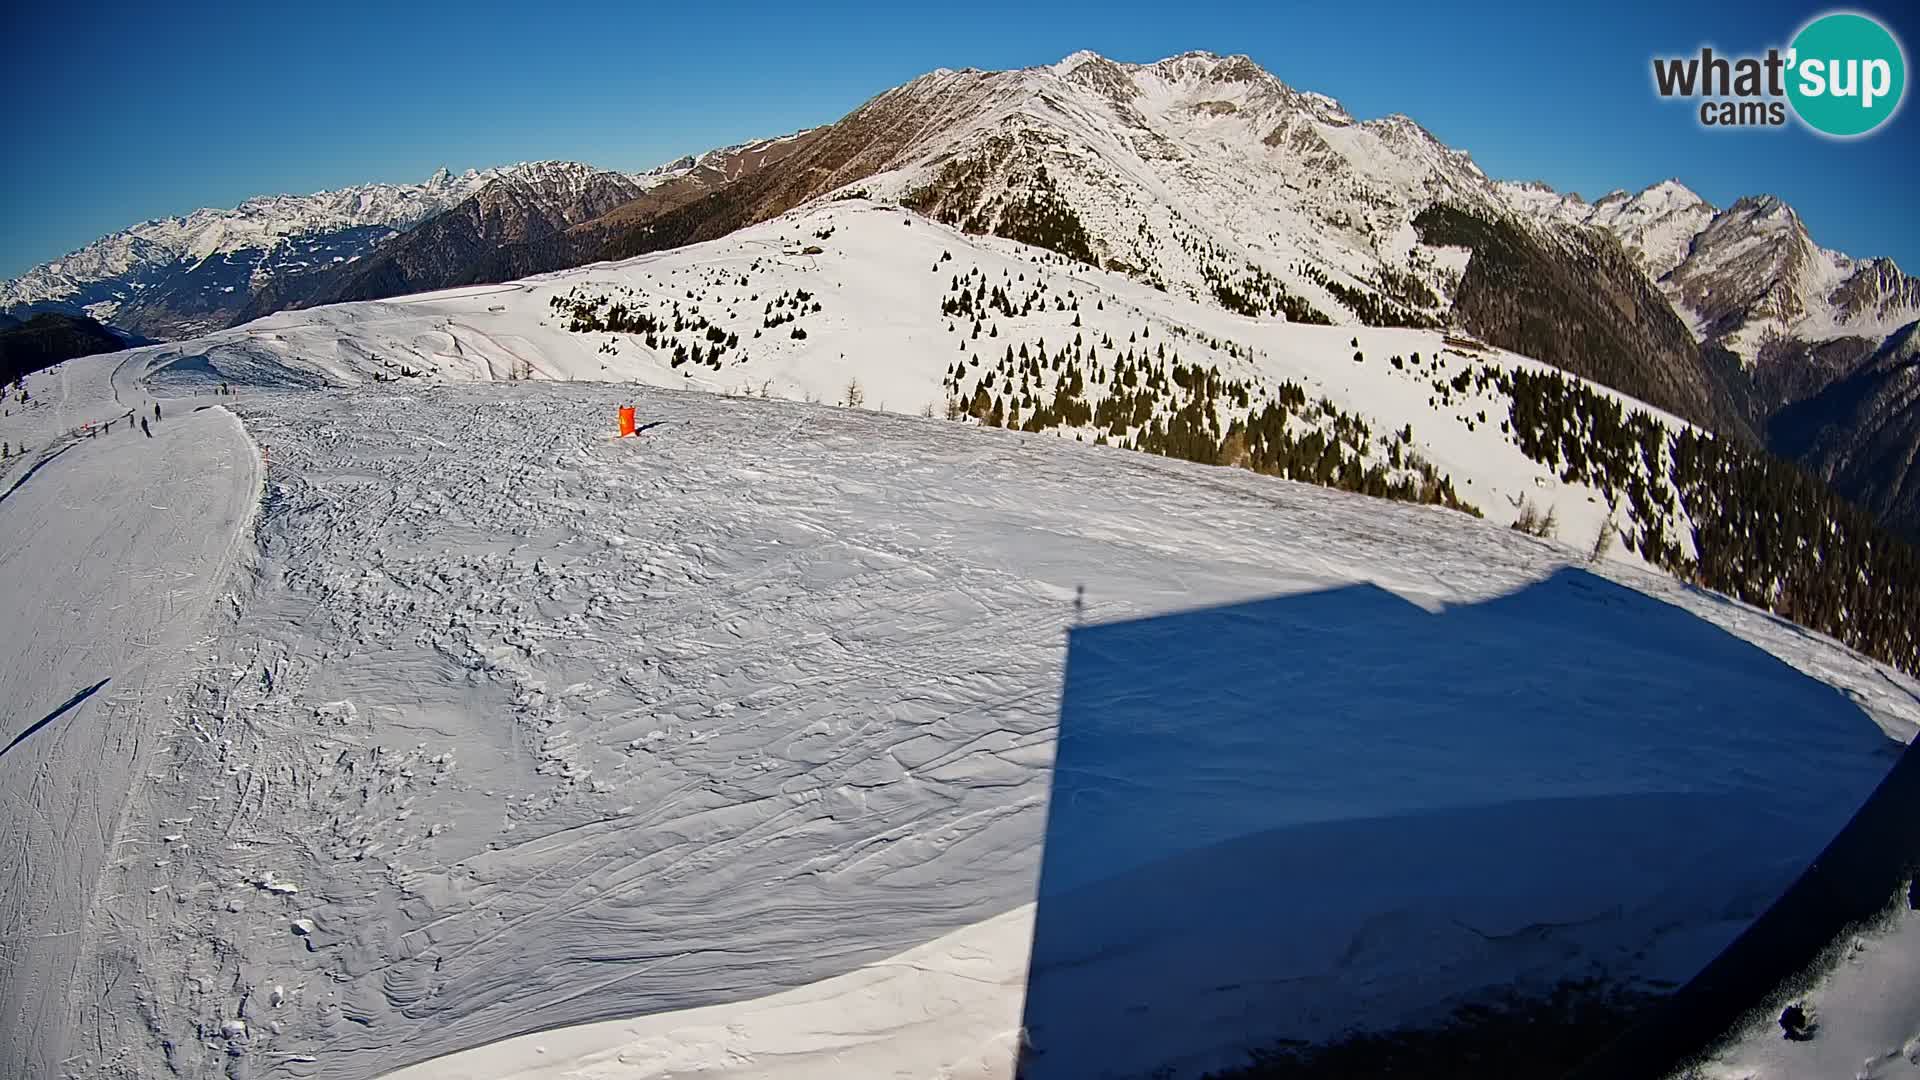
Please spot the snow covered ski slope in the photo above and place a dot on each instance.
(112, 553)
(829, 742)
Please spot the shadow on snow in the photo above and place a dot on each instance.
(56, 714)
(1299, 817)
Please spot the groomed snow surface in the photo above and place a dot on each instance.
(790, 740)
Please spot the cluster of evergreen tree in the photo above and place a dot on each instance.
(1371, 309)
(1773, 536)
(1241, 286)
(957, 194)
(1334, 453)
(1044, 218)
(704, 344)
(1763, 531)
(48, 338)
(1586, 437)
(1404, 287)
(1147, 398)
(788, 307)
(1257, 293)
(968, 297)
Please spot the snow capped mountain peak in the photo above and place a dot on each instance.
(677, 165)
(1672, 192)
(1200, 65)
(1763, 206)
(1073, 60)
(1740, 276)
(562, 178)
(1656, 225)
(1291, 191)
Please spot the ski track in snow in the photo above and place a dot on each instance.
(110, 559)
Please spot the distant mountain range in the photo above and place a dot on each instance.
(1203, 175)
(173, 278)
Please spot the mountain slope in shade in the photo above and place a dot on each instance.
(1573, 297)
(1862, 432)
(48, 338)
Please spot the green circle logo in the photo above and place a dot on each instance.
(1848, 74)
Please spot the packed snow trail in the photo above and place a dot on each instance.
(111, 554)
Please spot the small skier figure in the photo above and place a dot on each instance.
(143, 428)
(156, 410)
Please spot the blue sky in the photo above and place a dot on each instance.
(121, 112)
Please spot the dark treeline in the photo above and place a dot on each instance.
(1763, 531)
(46, 339)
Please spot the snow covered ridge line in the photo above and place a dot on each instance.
(256, 222)
(1328, 196)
